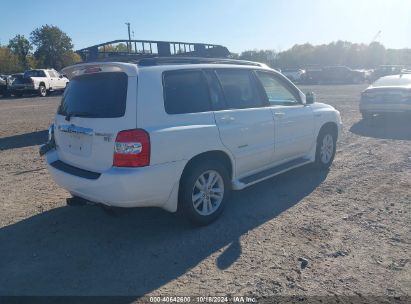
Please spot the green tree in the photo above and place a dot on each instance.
(53, 46)
(264, 56)
(9, 63)
(20, 47)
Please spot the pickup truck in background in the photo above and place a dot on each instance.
(40, 81)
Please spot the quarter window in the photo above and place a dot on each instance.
(277, 92)
(239, 89)
(185, 92)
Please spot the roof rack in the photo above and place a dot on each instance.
(137, 49)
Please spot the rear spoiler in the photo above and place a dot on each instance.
(99, 67)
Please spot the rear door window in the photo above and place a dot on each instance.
(185, 92)
(239, 89)
(100, 95)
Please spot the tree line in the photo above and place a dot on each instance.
(354, 55)
(47, 47)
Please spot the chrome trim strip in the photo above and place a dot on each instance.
(76, 130)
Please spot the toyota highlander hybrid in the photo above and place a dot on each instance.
(182, 135)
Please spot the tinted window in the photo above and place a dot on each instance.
(239, 89)
(100, 95)
(185, 92)
(276, 90)
(34, 73)
(216, 93)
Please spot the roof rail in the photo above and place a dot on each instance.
(137, 49)
(193, 60)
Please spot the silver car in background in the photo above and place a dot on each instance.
(388, 95)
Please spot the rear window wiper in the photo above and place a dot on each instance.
(78, 114)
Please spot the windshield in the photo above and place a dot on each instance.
(397, 80)
(101, 95)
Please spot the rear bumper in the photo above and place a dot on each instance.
(124, 187)
(368, 107)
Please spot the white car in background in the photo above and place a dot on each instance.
(388, 95)
(182, 135)
(40, 81)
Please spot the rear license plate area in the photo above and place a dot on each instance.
(78, 144)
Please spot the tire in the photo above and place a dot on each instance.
(18, 95)
(202, 205)
(326, 147)
(42, 91)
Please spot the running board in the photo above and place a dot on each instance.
(263, 175)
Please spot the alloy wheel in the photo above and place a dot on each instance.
(208, 192)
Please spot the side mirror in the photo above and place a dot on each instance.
(309, 98)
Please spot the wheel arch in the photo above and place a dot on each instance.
(217, 155)
(330, 125)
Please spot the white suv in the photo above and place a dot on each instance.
(182, 134)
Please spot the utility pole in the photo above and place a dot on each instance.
(129, 37)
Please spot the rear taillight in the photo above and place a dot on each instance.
(132, 149)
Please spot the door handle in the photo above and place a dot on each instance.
(279, 114)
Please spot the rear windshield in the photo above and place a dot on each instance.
(101, 95)
(404, 80)
(16, 78)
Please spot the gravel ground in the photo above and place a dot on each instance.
(345, 232)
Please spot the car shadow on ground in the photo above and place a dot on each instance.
(24, 140)
(389, 127)
(84, 251)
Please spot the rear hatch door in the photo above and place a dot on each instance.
(99, 101)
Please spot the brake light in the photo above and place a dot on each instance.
(132, 149)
